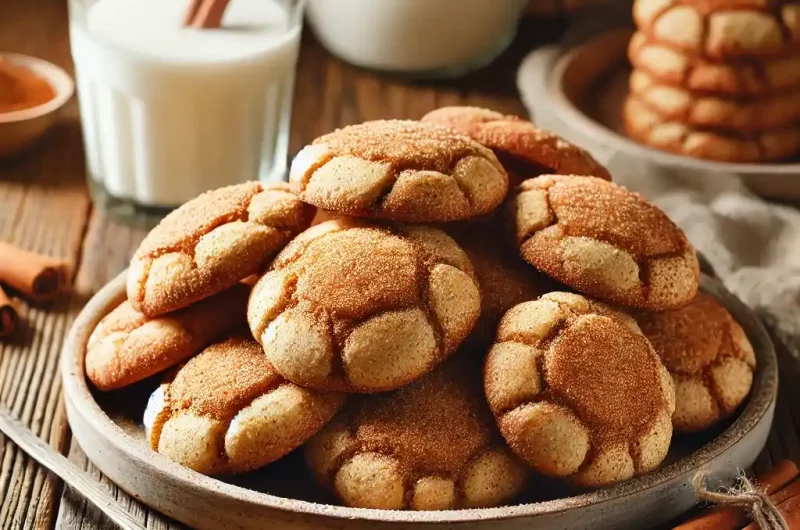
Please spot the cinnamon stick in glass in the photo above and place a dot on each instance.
(35, 276)
(205, 14)
(8, 315)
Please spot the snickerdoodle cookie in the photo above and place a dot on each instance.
(212, 242)
(709, 357)
(697, 110)
(364, 307)
(752, 77)
(650, 128)
(431, 445)
(578, 391)
(722, 29)
(400, 170)
(228, 411)
(127, 346)
(604, 241)
(524, 150)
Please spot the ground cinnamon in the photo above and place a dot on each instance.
(33, 275)
(205, 14)
(21, 89)
(8, 315)
(733, 517)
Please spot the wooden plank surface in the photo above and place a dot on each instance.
(45, 206)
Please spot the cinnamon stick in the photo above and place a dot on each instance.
(33, 275)
(733, 517)
(205, 14)
(788, 502)
(8, 315)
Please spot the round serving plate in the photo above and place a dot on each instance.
(581, 88)
(282, 495)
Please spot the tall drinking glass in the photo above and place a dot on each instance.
(169, 112)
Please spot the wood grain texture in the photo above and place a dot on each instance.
(44, 206)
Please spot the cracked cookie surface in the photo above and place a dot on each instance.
(742, 78)
(722, 29)
(127, 346)
(578, 392)
(524, 150)
(650, 128)
(228, 411)
(401, 171)
(431, 445)
(359, 306)
(709, 357)
(604, 241)
(212, 242)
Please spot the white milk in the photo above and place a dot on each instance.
(415, 35)
(169, 112)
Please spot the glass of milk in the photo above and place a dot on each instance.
(169, 112)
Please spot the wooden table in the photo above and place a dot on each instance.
(45, 207)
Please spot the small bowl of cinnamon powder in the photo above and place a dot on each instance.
(31, 91)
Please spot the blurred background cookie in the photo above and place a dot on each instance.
(603, 240)
(399, 170)
(722, 30)
(708, 356)
(578, 391)
(524, 150)
(127, 346)
(702, 110)
(648, 127)
(228, 411)
(212, 242)
(747, 77)
(431, 445)
(364, 307)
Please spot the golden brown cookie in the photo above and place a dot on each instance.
(126, 346)
(742, 78)
(604, 241)
(399, 170)
(505, 280)
(211, 243)
(741, 115)
(722, 29)
(431, 445)
(647, 127)
(364, 307)
(524, 150)
(228, 411)
(708, 356)
(578, 391)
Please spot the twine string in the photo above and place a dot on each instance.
(758, 504)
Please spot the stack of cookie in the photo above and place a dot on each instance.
(716, 80)
(434, 337)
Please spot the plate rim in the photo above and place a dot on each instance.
(77, 392)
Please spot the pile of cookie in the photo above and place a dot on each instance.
(716, 80)
(435, 310)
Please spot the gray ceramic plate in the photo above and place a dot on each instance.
(107, 426)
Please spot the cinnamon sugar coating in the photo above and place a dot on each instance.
(127, 346)
(604, 241)
(754, 77)
(431, 445)
(722, 29)
(578, 392)
(647, 126)
(741, 115)
(525, 150)
(708, 356)
(352, 305)
(228, 411)
(401, 171)
(212, 242)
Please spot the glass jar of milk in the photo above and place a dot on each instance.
(417, 38)
(169, 112)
